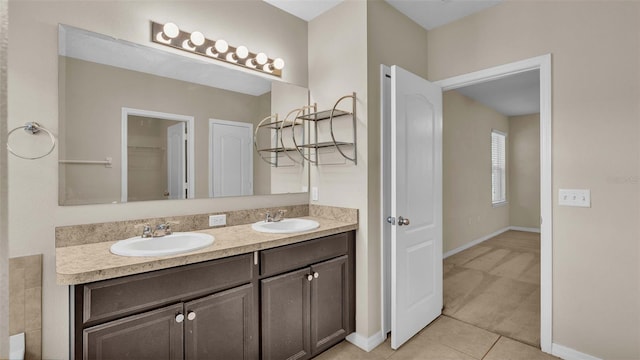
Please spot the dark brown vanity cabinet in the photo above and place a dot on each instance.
(308, 310)
(297, 301)
(199, 311)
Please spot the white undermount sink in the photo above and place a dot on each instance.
(285, 226)
(176, 243)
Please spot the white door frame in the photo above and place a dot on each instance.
(165, 116)
(231, 123)
(543, 64)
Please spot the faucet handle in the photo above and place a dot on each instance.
(167, 229)
(167, 226)
(146, 230)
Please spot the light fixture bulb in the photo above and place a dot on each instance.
(242, 52)
(278, 64)
(170, 30)
(221, 46)
(196, 38)
(261, 58)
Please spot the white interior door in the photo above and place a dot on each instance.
(416, 204)
(231, 158)
(176, 161)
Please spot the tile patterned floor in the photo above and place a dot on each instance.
(495, 285)
(444, 339)
(491, 297)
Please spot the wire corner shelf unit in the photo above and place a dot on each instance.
(272, 153)
(330, 115)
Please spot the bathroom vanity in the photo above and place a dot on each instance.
(275, 296)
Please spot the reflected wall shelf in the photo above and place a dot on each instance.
(330, 115)
(272, 153)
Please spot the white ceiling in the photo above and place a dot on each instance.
(427, 13)
(513, 95)
(304, 9)
(433, 13)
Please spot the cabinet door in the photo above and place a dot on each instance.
(285, 316)
(222, 326)
(152, 335)
(329, 303)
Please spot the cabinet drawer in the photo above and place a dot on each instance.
(110, 299)
(289, 257)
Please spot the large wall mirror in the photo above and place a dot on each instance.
(138, 123)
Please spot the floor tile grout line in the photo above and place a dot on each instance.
(491, 348)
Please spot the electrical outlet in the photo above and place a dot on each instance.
(314, 193)
(218, 220)
(574, 197)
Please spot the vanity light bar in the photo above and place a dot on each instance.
(170, 35)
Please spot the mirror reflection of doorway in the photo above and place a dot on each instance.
(156, 149)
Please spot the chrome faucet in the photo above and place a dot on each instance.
(278, 217)
(146, 231)
(162, 230)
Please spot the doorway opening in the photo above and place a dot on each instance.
(491, 206)
(157, 156)
(542, 68)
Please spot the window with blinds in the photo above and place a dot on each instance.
(498, 167)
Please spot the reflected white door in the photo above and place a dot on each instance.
(176, 161)
(416, 204)
(231, 158)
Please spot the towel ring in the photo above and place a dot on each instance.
(32, 128)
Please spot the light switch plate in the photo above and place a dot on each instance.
(574, 197)
(218, 220)
(314, 193)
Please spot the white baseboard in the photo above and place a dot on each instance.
(474, 242)
(364, 343)
(487, 237)
(527, 229)
(566, 353)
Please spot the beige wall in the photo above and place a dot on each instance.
(466, 171)
(261, 169)
(596, 145)
(4, 239)
(33, 96)
(524, 171)
(337, 54)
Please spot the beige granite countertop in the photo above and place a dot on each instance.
(92, 262)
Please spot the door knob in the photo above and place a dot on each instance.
(391, 220)
(191, 315)
(179, 318)
(402, 221)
